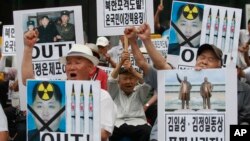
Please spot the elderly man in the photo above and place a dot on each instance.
(208, 56)
(79, 64)
(129, 97)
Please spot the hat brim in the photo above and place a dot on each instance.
(93, 59)
(101, 44)
(208, 47)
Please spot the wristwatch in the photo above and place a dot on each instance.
(147, 105)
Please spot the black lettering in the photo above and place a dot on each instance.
(60, 46)
(184, 55)
(35, 51)
(50, 48)
(45, 135)
(66, 137)
(77, 136)
(58, 137)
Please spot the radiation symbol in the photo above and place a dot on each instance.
(45, 91)
(190, 11)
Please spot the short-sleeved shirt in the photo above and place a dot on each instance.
(108, 112)
(129, 108)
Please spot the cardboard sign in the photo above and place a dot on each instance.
(57, 109)
(9, 43)
(196, 105)
(53, 41)
(194, 24)
(113, 16)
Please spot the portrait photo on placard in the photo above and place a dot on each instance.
(185, 26)
(192, 90)
(46, 108)
(54, 26)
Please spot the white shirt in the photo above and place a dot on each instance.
(129, 108)
(108, 111)
(3, 120)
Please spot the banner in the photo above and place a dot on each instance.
(54, 40)
(194, 24)
(113, 16)
(9, 44)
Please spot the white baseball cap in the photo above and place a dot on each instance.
(102, 41)
(80, 50)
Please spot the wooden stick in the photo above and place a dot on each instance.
(125, 43)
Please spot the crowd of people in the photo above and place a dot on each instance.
(126, 94)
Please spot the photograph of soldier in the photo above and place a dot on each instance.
(46, 107)
(65, 29)
(205, 90)
(30, 25)
(184, 93)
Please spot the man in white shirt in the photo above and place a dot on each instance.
(129, 97)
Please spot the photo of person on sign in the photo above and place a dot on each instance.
(186, 24)
(46, 109)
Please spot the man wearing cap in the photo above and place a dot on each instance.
(30, 25)
(47, 31)
(150, 73)
(65, 29)
(98, 73)
(103, 45)
(208, 56)
(79, 64)
(129, 97)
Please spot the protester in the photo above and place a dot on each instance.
(129, 97)
(103, 46)
(79, 64)
(98, 73)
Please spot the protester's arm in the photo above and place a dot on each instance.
(4, 135)
(110, 60)
(136, 74)
(144, 34)
(150, 102)
(104, 135)
(124, 57)
(157, 17)
(130, 33)
(30, 39)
